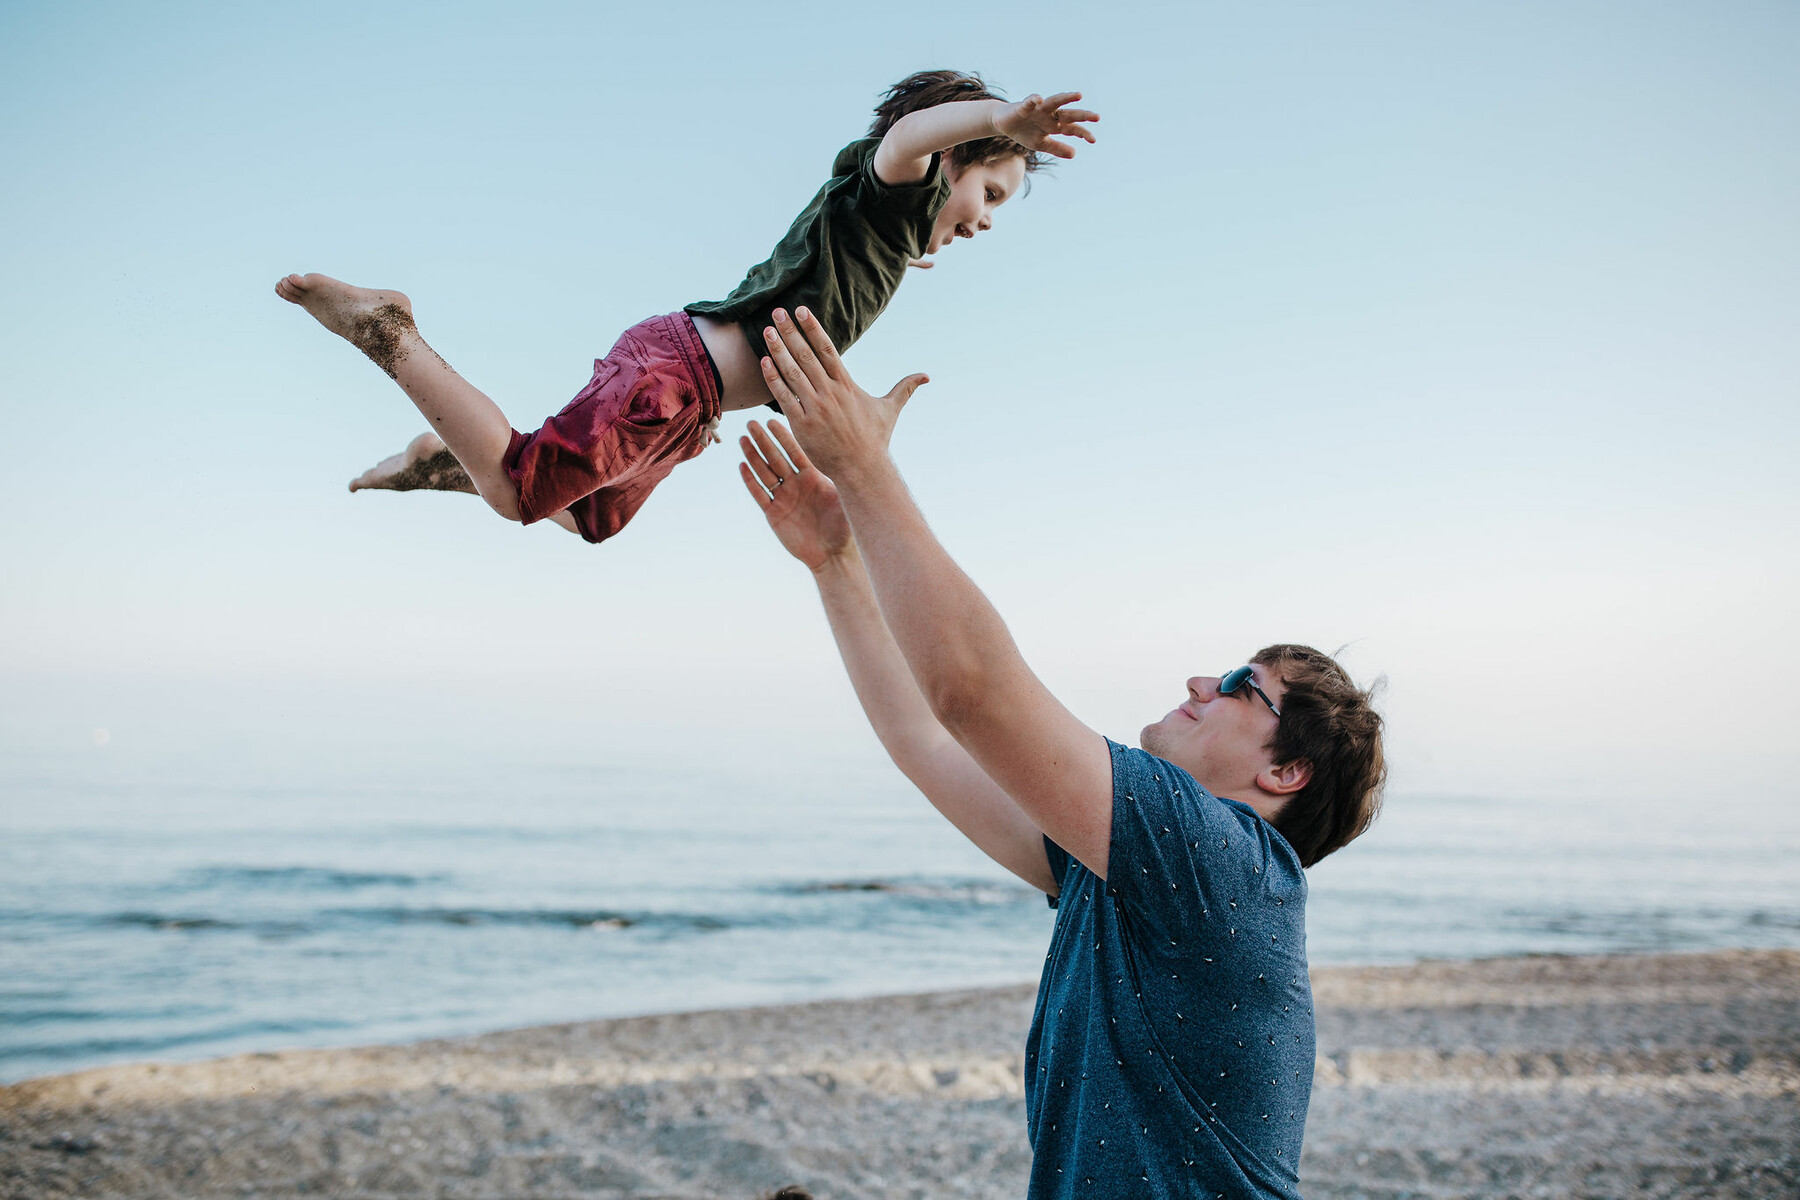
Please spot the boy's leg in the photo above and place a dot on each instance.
(380, 324)
(427, 465)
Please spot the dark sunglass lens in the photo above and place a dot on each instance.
(1233, 680)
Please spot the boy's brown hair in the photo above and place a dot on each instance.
(928, 89)
(1330, 723)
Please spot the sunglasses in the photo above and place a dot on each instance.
(1239, 677)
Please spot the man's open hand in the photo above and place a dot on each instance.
(800, 503)
(841, 426)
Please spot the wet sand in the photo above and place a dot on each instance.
(1666, 1075)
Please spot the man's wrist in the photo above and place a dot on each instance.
(863, 474)
(838, 564)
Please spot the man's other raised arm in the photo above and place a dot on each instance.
(977, 684)
(802, 508)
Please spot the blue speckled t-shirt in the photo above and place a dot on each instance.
(1171, 1053)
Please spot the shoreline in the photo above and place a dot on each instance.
(1656, 1074)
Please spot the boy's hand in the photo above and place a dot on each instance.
(800, 503)
(842, 427)
(1035, 123)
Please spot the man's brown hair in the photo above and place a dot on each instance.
(1330, 723)
(928, 89)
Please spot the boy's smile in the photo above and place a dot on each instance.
(974, 195)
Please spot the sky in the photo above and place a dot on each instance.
(1458, 336)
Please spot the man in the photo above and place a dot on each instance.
(1171, 1051)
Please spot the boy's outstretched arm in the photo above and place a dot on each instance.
(802, 507)
(1035, 122)
(958, 650)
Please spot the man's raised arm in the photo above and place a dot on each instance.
(1056, 769)
(802, 508)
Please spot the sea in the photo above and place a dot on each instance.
(205, 909)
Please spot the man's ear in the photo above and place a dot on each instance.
(1285, 779)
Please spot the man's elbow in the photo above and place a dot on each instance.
(957, 701)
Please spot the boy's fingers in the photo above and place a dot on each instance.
(1059, 149)
(1078, 114)
(1060, 99)
(791, 445)
(821, 343)
(756, 493)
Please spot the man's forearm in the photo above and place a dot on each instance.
(923, 749)
(952, 639)
(883, 683)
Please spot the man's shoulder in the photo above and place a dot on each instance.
(1154, 799)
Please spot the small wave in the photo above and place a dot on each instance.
(598, 919)
(165, 921)
(299, 878)
(957, 891)
(80, 1048)
(177, 923)
(21, 1017)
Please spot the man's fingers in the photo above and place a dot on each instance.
(798, 345)
(756, 492)
(791, 445)
(778, 462)
(766, 471)
(778, 388)
(793, 357)
(901, 392)
(820, 342)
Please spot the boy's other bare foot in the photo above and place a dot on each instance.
(426, 463)
(378, 323)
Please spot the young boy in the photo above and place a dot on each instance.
(942, 154)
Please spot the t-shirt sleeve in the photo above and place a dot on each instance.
(901, 214)
(1059, 868)
(1181, 856)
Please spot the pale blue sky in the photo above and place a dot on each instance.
(1464, 333)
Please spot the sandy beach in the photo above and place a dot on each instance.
(1669, 1075)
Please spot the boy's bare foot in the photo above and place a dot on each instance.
(426, 463)
(378, 323)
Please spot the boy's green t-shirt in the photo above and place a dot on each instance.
(845, 254)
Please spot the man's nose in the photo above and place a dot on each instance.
(1204, 687)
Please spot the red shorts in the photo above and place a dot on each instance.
(647, 408)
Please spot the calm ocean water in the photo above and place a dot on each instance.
(185, 913)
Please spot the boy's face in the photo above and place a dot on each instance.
(974, 195)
